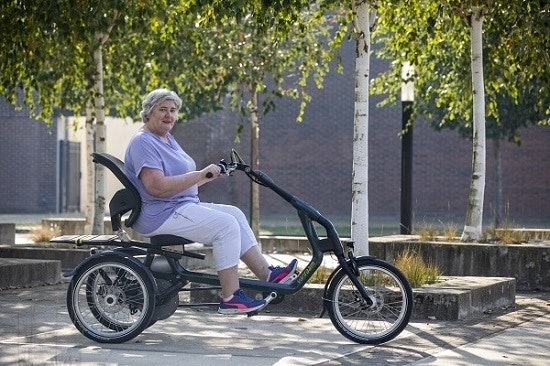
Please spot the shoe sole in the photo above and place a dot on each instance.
(233, 311)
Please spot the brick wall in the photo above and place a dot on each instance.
(27, 163)
(312, 160)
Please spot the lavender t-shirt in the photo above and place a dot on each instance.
(148, 150)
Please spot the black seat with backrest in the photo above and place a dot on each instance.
(128, 200)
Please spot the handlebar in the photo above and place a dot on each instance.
(236, 163)
(305, 210)
(226, 168)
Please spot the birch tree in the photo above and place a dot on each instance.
(436, 36)
(101, 37)
(474, 214)
(360, 210)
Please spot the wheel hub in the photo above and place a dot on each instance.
(113, 299)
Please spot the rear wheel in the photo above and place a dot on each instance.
(111, 299)
(376, 323)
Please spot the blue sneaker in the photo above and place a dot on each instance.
(240, 303)
(283, 274)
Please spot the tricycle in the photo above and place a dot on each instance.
(128, 285)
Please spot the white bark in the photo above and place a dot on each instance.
(98, 227)
(255, 163)
(100, 130)
(499, 206)
(360, 208)
(474, 214)
(89, 210)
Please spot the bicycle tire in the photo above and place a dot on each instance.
(378, 323)
(111, 299)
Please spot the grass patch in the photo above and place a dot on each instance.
(509, 234)
(427, 232)
(44, 234)
(450, 232)
(321, 275)
(417, 271)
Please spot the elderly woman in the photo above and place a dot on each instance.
(168, 180)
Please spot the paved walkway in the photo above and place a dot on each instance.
(35, 329)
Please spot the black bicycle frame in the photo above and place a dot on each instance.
(307, 215)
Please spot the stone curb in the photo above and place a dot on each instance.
(15, 272)
(68, 257)
(454, 298)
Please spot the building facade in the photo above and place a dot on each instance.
(312, 160)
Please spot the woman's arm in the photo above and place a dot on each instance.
(159, 185)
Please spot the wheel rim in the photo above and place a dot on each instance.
(384, 316)
(110, 300)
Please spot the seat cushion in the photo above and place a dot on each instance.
(167, 239)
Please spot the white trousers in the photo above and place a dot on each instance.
(223, 226)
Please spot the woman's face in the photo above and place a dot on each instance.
(162, 117)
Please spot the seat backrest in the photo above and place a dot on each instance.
(124, 200)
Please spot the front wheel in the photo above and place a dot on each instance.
(376, 323)
(111, 299)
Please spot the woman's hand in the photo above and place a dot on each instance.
(212, 171)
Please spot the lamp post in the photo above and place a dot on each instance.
(407, 100)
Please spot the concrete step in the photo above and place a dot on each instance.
(453, 298)
(16, 272)
(68, 257)
(71, 257)
(463, 297)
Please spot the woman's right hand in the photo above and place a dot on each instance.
(212, 171)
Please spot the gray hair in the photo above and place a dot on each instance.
(155, 98)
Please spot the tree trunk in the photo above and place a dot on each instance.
(360, 211)
(474, 214)
(89, 210)
(255, 163)
(499, 206)
(100, 143)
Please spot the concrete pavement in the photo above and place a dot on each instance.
(35, 329)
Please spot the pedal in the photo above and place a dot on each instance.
(290, 279)
(272, 296)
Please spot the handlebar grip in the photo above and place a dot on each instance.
(223, 169)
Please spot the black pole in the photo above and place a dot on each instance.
(406, 169)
